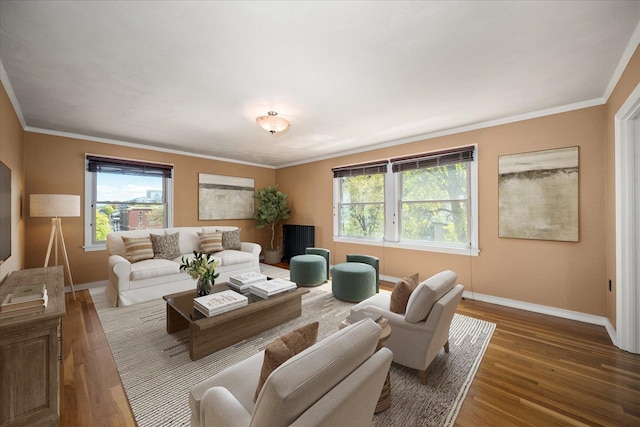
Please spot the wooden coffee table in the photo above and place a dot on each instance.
(210, 334)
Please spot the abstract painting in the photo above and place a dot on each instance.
(538, 195)
(224, 197)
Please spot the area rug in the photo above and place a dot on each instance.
(156, 370)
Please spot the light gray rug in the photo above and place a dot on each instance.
(157, 372)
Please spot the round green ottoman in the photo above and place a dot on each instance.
(308, 270)
(353, 281)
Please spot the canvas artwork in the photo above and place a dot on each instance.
(538, 195)
(224, 197)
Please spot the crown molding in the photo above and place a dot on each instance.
(452, 131)
(634, 41)
(140, 146)
(4, 78)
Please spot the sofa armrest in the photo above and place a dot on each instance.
(252, 248)
(119, 272)
(220, 409)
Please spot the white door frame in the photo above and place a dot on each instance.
(627, 146)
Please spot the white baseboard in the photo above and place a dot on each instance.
(612, 332)
(537, 308)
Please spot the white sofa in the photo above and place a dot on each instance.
(336, 382)
(130, 283)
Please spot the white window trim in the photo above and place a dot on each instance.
(391, 239)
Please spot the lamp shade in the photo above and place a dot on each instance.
(54, 205)
(272, 123)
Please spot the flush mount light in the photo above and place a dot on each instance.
(272, 123)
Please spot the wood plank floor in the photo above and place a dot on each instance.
(537, 371)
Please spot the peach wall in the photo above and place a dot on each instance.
(11, 154)
(558, 274)
(627, 83)
(55, 164)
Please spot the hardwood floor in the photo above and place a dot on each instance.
(537, 371)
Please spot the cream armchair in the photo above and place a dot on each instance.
(336, 382)
(418, 335)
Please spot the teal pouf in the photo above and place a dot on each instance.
(308, 270)
(353, 281)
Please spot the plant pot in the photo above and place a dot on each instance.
(272, 256)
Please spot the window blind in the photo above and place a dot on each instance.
(128, 167)
(370, 168)
(427, 160)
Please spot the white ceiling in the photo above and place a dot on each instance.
(193, 76)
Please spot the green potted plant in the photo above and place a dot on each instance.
(271, 209)
(203, 268)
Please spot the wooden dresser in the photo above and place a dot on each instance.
(30, 353)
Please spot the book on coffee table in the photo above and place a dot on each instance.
(272, 287)
(28, 293)
(219, 302)
(243, 282)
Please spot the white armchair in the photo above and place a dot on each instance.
(336, 382)
(418, 335)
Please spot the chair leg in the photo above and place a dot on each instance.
(423, 376)
(446, 347)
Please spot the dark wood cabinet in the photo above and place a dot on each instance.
(30, 353)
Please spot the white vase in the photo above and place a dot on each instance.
(272, 256)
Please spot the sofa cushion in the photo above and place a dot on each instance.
(284, 348)
(210, 242)
(233, 257)
(401, 293)
(165, 246)
(138, 248)
(427, 293)
(231, 239)
(150, 268)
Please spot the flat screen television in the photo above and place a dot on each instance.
(5, 212)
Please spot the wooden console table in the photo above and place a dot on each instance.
(31, 352)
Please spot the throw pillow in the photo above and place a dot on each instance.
(401, 293)
(210, 242)
(231, 239)
(167, 246)
(284, 348)
(138, 248)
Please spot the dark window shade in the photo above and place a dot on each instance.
(360, 169)
(427, 160)
(127, 167)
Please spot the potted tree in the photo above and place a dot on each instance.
(271, 209)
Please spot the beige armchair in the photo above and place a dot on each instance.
(336, 382)
(418, 335)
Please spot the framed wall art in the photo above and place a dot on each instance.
(224, 197)
(538, 195)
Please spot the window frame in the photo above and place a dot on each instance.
(392, 216)
(90, 192)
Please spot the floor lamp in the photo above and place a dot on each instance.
(55, 206)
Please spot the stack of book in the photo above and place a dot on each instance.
(273, 287)
(219, 302)
(23, 300)
(243, 282)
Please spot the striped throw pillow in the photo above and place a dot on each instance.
(210, 242)
(138, 248)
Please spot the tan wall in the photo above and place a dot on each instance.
(627, 83)
(56, 165)
(570, 276)
(11, 154)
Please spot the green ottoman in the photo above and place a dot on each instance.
(353, 281)
(308, 270)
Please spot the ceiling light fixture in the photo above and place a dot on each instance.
(272, 123)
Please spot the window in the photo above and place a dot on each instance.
(125, 195)
(361, 200)
(430, 202)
